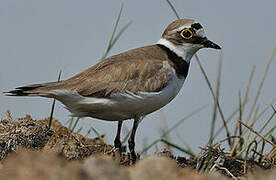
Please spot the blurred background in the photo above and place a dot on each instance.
(40, 38)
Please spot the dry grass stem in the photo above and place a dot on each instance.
(244, 102)
(164, 127)
(258, 134)
(226, 139)
(214, 118)
(272, 154)
(171, 129)
(9, 115)
(261, 85)
(248, 85)
(257, 96)
(266, 108)
(173, 9)
(185, 144)
(215, 100)
(238, 126)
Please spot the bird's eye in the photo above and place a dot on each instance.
(186, 33)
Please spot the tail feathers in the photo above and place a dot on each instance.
(23, 91)
(33, 90)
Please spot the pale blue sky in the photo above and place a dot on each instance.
(39, 38)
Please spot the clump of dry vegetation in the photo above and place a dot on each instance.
(45, 149)
(30, 150)
(26, 133)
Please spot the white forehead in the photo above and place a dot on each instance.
(200, 32)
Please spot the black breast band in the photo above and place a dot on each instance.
(181, 66)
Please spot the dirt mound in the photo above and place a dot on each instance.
(32, 134)
(30, 150)
(24, 133)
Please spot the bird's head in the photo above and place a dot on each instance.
(185, 37)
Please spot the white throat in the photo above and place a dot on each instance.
(185, 51)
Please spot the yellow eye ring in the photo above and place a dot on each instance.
(186, 34)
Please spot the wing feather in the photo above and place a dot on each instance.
(133, 76)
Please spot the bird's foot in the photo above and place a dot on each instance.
(118, 145)
(133, 157)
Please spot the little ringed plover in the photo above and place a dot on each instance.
(132, 84)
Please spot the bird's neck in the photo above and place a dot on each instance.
(181, 66)
(185, 51)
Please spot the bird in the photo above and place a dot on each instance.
(132, 84)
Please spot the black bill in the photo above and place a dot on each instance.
(209, 44)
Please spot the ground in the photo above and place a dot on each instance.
(30, 150)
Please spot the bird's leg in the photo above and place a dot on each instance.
(131, 141)
(117, 141)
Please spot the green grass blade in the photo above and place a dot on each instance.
(182, 120)
(267, 122)
(257, 96)
(183, 141)
(93, 129)
(53, 106)
(75, 124)
(178, 147)
(70, 122)
(119, 35)
(267, 106)
(113, 32)
(149, 146)
(79, 130)
(263, 127)
(172, 128)
(269, 132)
(97, 133)
(246, 144)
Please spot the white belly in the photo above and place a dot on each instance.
(120, 106)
